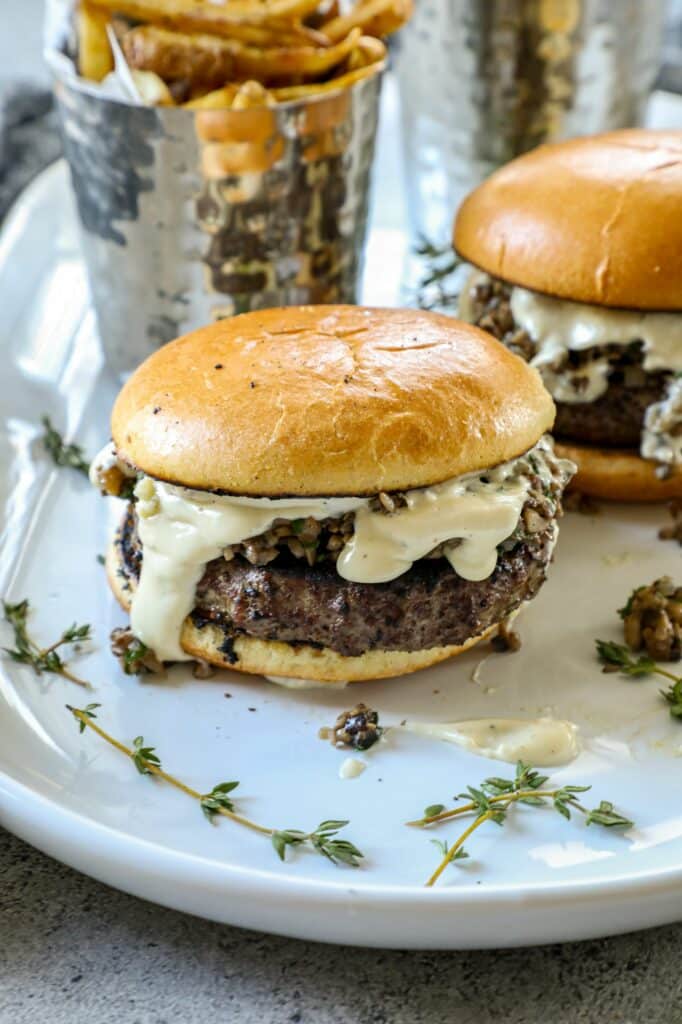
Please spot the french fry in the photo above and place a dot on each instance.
(216, 99)
(95, 59)
(211, 61)
(374, 17)
(152, 89)
(218, 55)
(235, 96)
(262, 24)
(297, 92)
(251, 94)
(365, 61)
(368, 51)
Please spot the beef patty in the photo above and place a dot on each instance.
(428, 606)
(616, 418)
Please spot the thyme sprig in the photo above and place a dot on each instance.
(434, 290)
(42, 659)
(491, 800)
(617, 658)
(219, 801)
(63, 454)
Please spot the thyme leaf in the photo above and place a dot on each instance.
(493, 798)
(617, 658)
(87, 712)
(144, 758)
(41, 659)
(63, 454)
(322, 840)
(217, 799)
(435, 290)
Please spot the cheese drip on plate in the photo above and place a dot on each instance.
(545, 742)
(181, 530)
(662, 435)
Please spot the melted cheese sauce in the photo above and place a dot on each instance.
(106, 459)
(542, 741)
(289, 683)
(481, 514)
(662, 434)
(351, 768)
(558, 326)
(182, 530)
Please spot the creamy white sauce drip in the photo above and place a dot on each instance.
(542, 741)
(181, 530)
(558, 327)
(482, 514)
(351, 768)
(103, 461)
(662, 434)
(289, 683)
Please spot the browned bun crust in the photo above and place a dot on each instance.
(618, 475)
(596, 220)
(273, 658)
(328, 400)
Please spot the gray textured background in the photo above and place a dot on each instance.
(73, 951)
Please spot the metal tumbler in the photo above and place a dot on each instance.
(482, 81)
(188, 216)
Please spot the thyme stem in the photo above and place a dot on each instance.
(322, 839)
(467, 808)
(161, 774)
(457, 846)
(75, 679)
(493, 798)
(41, 659)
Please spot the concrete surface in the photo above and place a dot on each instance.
(74, 951)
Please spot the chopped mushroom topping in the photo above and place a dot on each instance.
(674, 531)
(652, 620)
(506, 639)
(358, 728)
(134, 657)
(584, 504)
(203, 669)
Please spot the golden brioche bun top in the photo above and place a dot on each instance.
(596, 220)
(328, 400)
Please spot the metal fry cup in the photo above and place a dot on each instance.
(482, 81)
(192, 215)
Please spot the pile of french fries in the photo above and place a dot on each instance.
(209, 55)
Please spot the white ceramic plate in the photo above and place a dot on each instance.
(540, 879)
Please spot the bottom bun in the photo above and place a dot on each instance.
(618, 474)
(274, 658)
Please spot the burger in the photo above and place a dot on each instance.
(577, 256)
(330, 493)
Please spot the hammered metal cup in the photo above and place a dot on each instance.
(482, 81)
(189, 216)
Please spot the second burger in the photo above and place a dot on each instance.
(577, 250)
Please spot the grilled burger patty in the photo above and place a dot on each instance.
(616, 418)
(428, 606)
